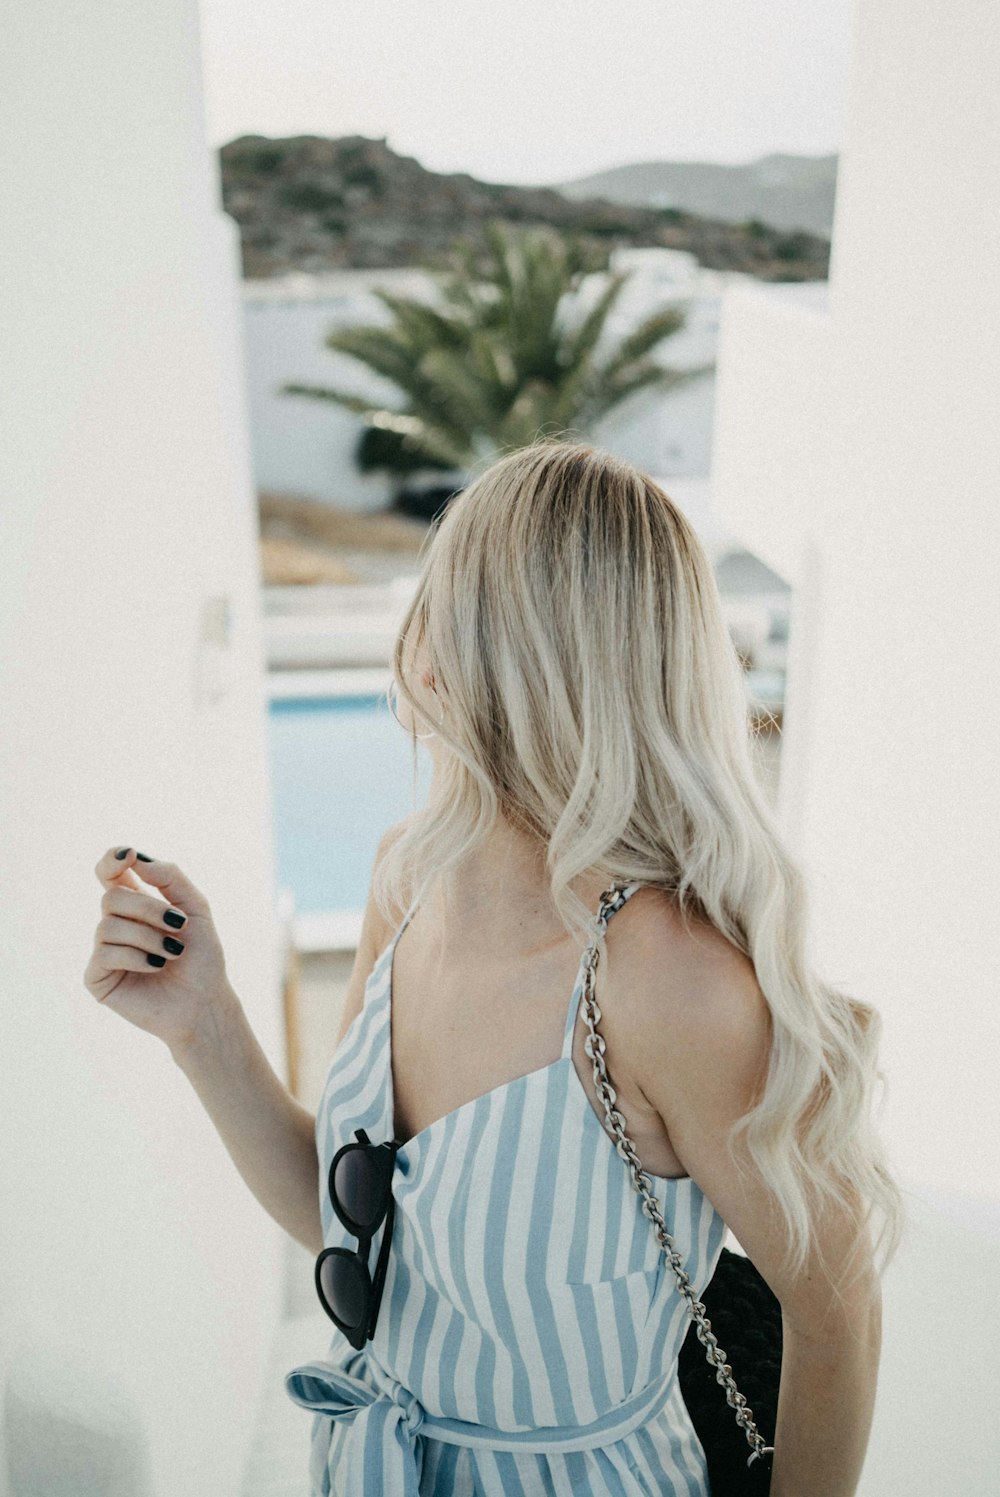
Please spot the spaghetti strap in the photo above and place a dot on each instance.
(406, 919)
(410, 913)
(576, 997)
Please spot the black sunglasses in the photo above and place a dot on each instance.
(361, 1192)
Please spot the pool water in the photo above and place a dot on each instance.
(341, 773)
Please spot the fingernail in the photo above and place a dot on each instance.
(143, 858)
(175, 918)
(174, 947)
(123, 853)
(154, 960)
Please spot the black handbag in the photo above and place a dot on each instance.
(739, 1310)
(746, 1317)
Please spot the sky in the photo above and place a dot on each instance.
(534, 91)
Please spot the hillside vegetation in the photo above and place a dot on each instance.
(308, 203)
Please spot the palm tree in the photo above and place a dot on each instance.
(507, 355)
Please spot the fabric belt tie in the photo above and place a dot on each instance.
(383, 1453)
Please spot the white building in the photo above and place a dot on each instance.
(140, 1281)
(857, 449)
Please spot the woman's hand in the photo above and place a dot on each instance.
(179, 994)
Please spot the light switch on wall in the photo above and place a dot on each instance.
(215, 658)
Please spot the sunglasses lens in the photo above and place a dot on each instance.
(343, 1286)
(360, 1188)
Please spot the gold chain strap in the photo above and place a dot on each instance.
(594, 1047)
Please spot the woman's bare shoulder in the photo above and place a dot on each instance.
(673, 949)
(693, 1003)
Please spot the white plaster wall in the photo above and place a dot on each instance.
(303, 446)
(859, 453)
(139, 1279)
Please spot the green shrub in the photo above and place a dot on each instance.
(257, 161)
(793, 246)
(363, 175)
(310, 197)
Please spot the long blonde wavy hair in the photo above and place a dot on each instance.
(596, 701)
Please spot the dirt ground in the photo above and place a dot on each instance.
(303, 541)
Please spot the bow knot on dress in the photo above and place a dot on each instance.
(382, 1454)
(413, 1409)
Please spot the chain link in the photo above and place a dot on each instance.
(595, 1049)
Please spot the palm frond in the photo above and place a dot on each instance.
(640, 378)
(421, 436)
(641, 340)
(579, 344)
(360, 404)
(463, 404)
(381, 349)
(501, 359)
(420, 324)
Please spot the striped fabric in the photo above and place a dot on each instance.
(528, 1335)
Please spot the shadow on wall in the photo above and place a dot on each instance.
(67, 1435)
(940, 1313)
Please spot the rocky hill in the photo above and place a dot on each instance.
(790, 192)
(310, 203)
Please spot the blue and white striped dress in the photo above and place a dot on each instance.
(530, 1324)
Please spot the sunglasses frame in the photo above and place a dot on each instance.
(383, 1157)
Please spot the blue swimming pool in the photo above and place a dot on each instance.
(341, 773)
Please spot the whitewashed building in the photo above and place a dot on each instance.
(857, 450)
(140, 1281)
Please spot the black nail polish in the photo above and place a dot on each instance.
(154, 960)
(174, 918)
(123, 853)
(174, 947)
(143, 858)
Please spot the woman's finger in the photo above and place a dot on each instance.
(116, 872)
(117, 900)
(176, 887)
(109, 957)
(115, 930)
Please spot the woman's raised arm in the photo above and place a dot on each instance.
(184, 998)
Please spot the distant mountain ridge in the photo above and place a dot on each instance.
(310, 203)
(788, 192)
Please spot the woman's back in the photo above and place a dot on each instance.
(529, 1326)
(473, 1013)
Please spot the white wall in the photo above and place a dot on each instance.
(859, 452)
(139, 1279)
(302, 446)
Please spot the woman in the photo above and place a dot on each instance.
(566, 663)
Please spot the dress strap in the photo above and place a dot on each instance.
(406, 919)
(576, 997)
